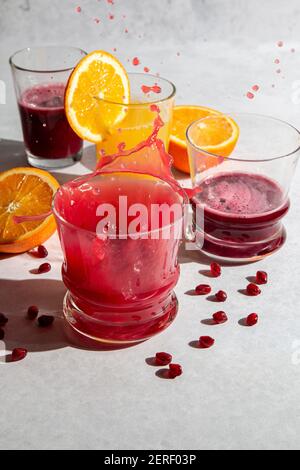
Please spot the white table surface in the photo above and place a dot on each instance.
(241, 394)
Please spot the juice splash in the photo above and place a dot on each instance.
(137, 124)
(121, 287)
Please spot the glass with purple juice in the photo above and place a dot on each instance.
(239, 201)
(40, 77)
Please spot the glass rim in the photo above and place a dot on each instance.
(117, 237)
(145, 103)
(249, 160)
(36, 70)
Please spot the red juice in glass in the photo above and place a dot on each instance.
(242, 215)
(47, 133)
(121, 274)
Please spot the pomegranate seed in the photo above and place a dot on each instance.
(32, 312)
(221, 296)
(175, 370)
(45, 320)
(42, 252)
(18, 354)
(163, 358)
(3, 319)
(206, 342)
(253, 289)
(2, 334)
(252, 319)
(215, 269)
(261, 277)
(220, 317)
(203, 289)
(44, 268)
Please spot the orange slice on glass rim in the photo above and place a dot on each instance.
(94, 95)
(219, 133)
(25, 192)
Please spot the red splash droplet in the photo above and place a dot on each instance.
(110, 1)
(146, 70)
(250, 95)
(111, 16)
(136, 61)
(154, 108)
(280, 44)
(255, 87)
(121, 146)
(78, 10)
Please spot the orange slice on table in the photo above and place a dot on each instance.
(220, 136)
(97, 83)
(25, 192)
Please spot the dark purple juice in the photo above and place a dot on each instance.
(47, 133)
(242, 215)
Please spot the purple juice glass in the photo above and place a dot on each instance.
(40, 77)
(241, 199)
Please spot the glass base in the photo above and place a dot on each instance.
(133, 331)
(53, 163)
(239, 253)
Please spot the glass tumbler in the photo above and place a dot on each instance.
(240, 200)
(136, 124)
(40, 76)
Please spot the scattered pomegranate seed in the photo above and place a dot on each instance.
(163, 358)
(203, 289)
(220, 317)
(146, 69)
(44, 268)
(250, 95)
(252, 319)
(3, 319)
(2, 334)
(18, 354)
(280, 44)
(45, 320)
(261, 277)
(253, 289)
(206, 342)
(42, 252)
(215, 269)
(32, 312)
(277, 61)
(175, 370)
(255, 88)
(78, 9)
(221, 296)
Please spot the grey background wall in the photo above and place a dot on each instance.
(214, 50)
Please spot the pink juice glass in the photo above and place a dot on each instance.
(120, 275)
(240, 200)
(40, 77)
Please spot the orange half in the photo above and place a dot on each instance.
(25, 192)
(219, 136)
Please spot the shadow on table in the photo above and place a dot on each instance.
(12, 154)
(48, 295)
